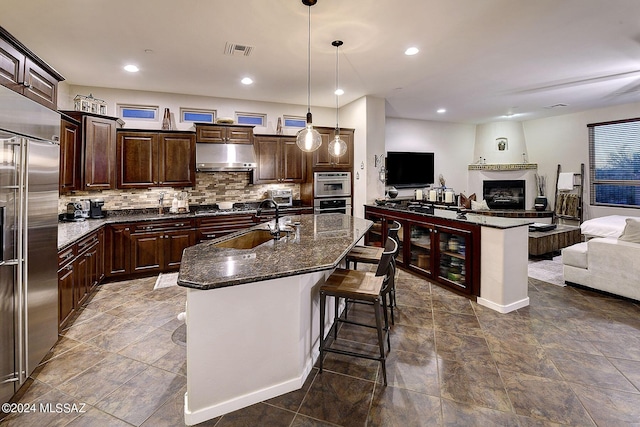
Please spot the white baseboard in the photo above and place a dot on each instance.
(503, 308)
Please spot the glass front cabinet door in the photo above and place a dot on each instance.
(453, 266)
(420, 248)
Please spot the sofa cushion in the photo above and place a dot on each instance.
(575, 255)
(631, 231)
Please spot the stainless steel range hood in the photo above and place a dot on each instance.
(224, 157)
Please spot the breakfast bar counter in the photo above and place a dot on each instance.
(253, 308)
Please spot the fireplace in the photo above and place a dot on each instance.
(504, 194)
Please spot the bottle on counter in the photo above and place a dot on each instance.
(174, 204)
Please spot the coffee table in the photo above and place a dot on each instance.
(548, 242)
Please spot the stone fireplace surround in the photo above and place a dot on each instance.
(478, 173)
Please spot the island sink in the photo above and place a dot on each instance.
(248, 240)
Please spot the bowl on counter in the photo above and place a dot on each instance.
(225, 205)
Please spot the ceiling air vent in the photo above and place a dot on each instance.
(237, 49)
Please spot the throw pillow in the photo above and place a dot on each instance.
(631, 231)
(465, 201)
(478, 206)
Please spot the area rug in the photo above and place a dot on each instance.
(166, 280)
(547, 270)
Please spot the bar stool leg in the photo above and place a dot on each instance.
(336, 315)
(322, 310)
(378, 309)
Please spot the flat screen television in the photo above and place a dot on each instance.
(409, 169)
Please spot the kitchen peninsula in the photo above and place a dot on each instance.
(252, 310)
(482, 257)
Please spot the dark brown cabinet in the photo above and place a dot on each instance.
(80, 269)
(212, 227)
(152, 159)
(25, 73)
(98, 150)
(279, 160)
(224, 134)
(147, 247)
(442, 250)
(117, 252)
(323, 160)
(70, 156)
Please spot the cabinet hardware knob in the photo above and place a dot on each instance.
(26, 84)
(69, 267)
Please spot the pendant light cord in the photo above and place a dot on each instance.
(309, 62)
(337, 86)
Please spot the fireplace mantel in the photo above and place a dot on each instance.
(503, 167)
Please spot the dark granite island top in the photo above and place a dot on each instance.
(256, 311)
(318, 243)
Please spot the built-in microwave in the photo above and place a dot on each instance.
(282, 197)
(331, 184)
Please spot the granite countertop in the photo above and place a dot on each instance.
(318, 243)
(71, 232)
(471, 218)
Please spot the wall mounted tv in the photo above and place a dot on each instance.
(409, 169)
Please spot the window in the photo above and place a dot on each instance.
(251, 119)
(614, 154)
(197, 115)
(138, 112)
(294, 121)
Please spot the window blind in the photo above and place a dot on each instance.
(614, 163)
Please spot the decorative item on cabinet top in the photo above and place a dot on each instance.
(89, 104)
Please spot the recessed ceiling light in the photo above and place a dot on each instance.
(339, 92)
(131, 68)
(411, 51)
(246, 81)
(441, 110)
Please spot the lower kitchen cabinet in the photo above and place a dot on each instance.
(147, 247)
(212, 227)
(441, 250)
(80, 269)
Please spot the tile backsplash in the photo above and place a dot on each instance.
(210, 188)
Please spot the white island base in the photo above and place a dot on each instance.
(250, 342)
(503, 268)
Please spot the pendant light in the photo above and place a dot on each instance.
(308, 139)
(337, 147)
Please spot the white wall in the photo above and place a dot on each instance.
(452, 144)
(564, 140)
(224, 107)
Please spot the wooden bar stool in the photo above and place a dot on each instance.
(359, 286)
(372, 255)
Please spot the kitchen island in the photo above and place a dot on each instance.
(252, 312)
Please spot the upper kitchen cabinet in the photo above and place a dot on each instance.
(98, 148)
(23, 72)
(224, 134)
(155, 159)
(279, 160)
(323, 160)
(70, 155)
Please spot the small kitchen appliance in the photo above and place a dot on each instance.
(75, 212)
(95, 208)
(283, 197)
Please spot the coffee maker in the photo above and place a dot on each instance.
(95, 208)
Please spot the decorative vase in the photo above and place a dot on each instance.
(166, 120)
(540, 203)
(392, 192)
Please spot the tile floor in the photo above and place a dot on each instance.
(571, 358)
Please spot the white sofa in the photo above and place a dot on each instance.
(608, 264)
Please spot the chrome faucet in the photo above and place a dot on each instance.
(275, 232)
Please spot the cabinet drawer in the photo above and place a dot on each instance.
(87, 243)
(66, 255)
(149, 227)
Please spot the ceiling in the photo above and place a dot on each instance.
(479, 59)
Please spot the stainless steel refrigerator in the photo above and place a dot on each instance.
(29, 167)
